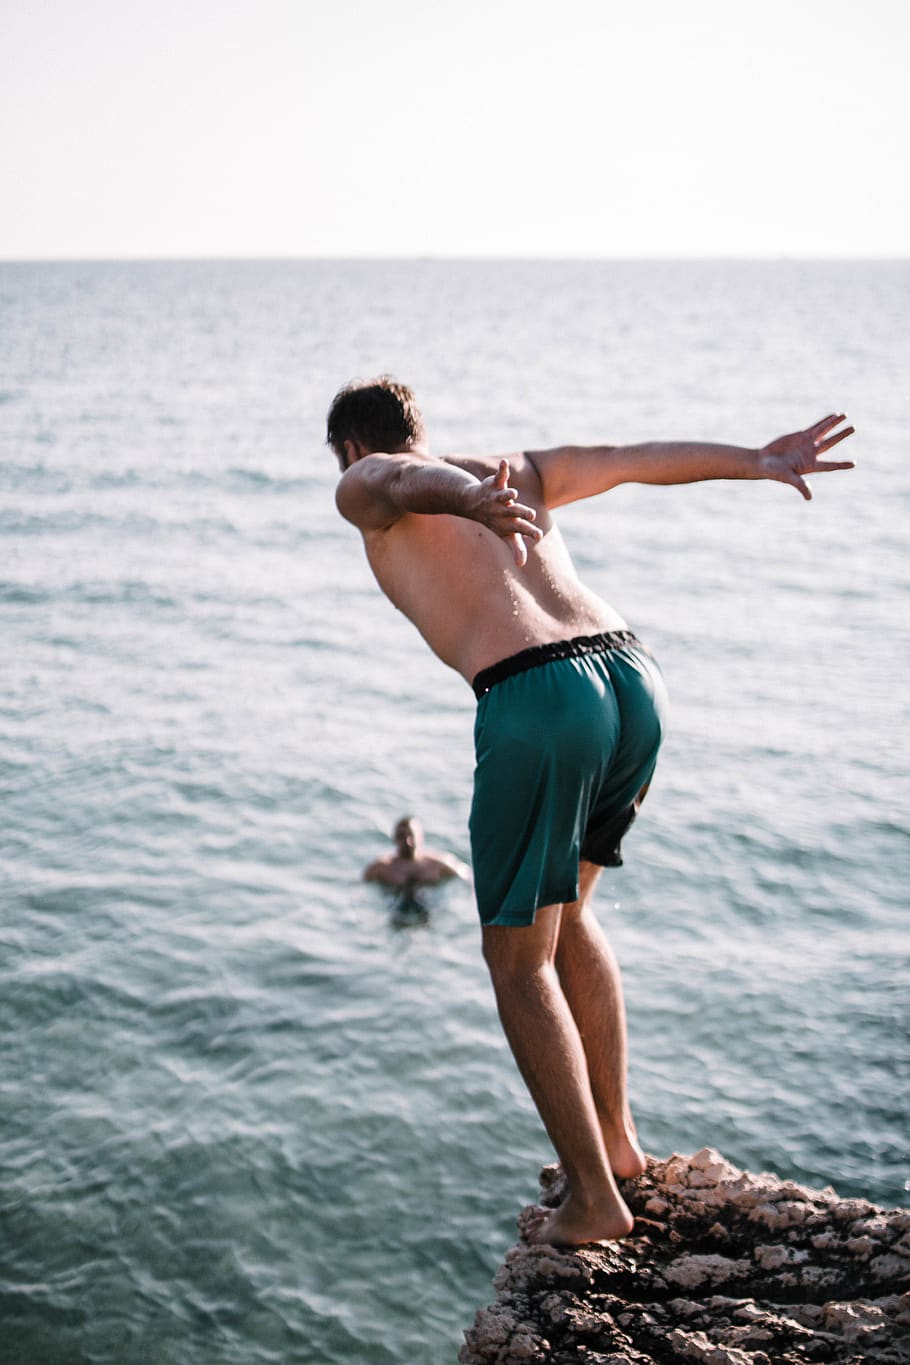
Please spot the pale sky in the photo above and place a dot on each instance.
(598, 128)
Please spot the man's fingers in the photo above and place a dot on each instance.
(512, 520)
(516, 512)
(517, 535)
(822, 446)
(519, 550)
(825, 466)
(516, 509)
(826, 423)
(522, 528)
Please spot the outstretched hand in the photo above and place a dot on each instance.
(497, 507)
(790, 457)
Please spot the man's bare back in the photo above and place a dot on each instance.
(459, 582)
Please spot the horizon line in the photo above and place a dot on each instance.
(471, 258)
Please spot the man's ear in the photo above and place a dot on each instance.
(354, 451)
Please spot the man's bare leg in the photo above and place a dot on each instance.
(547, 1046)
(591, 982)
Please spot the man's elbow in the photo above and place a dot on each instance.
(340, 504)
(363, 500)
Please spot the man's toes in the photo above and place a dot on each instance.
(530, 1220)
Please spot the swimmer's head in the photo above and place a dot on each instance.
(376, 415)
(407, 835)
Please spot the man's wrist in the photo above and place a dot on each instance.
(469, 496)
(761, 459)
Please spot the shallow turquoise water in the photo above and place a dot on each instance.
(246, 1117)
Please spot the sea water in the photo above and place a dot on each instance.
(248, 1115)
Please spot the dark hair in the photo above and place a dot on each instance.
(380, 413)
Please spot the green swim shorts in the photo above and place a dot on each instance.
(565, 739)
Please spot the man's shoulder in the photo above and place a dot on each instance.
(380, 869)
(360, 492)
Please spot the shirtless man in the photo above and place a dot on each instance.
(570, 715)
(413, 865)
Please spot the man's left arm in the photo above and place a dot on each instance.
(569, 473)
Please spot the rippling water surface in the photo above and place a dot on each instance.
(246, 1116)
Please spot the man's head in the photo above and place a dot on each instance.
(373, 415)
(408, 836)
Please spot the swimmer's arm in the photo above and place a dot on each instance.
(450, 866)
(376, 872)
(569, 473)
(378, 490)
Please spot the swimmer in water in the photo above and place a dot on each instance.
(413, 865)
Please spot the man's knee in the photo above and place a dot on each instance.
(513, 949)
(580, 930)
(588, 877)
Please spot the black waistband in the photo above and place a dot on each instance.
(544, 654)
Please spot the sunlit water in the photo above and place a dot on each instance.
(246, 1116)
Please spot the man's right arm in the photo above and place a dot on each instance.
(377, 490)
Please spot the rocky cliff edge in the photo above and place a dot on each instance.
(724, 1267)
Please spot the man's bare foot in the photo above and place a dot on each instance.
(572, 1226)
(627, 1160)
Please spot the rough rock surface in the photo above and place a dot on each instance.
(723, 1267)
